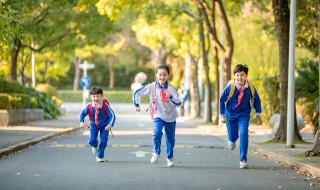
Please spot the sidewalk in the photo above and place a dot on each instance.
(258, 135)
(15, 138)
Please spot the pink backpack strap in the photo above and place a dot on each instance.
(153, 91)
(152, 105)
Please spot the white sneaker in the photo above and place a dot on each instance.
(231, 145)
(99, 159)
(94, 150)
(154, 158)
(170, 162)
(243, 164)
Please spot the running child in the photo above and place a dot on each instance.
(235, 110)
(163, 102)
(102, 120)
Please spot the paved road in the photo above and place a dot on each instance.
(202, 162)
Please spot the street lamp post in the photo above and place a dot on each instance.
(290, 108)
(85, 80)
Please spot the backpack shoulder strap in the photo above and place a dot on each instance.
(153, 90)
(90, 111)
(104, 107)
(231, 92)
(251, 88)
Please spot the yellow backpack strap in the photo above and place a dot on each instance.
(231, 89)
(252, 94)
(251, 88)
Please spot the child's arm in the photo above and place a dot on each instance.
(145, 90)
(258, 120)
(173, 97)
(223, 119)
(223, 98)
(83, 114)
(257, 107)
(112, 117)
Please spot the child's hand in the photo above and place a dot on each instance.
(223, 119)
(81, 125)
(138, 109)
(168, 95)
(258, 120)
(108, 128)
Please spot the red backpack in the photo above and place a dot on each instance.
(104, 107)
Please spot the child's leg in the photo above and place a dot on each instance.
(93, 136)
(157, 135)
(243, 130)
(232, 127)
(170, 129)
(103, 142)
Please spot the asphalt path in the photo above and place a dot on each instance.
(202, 161)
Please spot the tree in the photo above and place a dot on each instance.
(316, 149)
(44, 24)
(282, 17)
(208, 10)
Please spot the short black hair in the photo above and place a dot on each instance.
(163, 66)
(240, 67)
(96, 90)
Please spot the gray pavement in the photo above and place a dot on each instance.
(16, 138)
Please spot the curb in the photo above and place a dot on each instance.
(25, 144)
(284, 158)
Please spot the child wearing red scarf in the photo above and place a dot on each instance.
(235, 111)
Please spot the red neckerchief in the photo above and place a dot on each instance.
(240, 96)
(163, 95)
(96, 118)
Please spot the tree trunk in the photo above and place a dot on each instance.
(316, 149)
(76, 79)
(297, 136)
(216, 92)
(208, 114)
(14, 58)
(282, 20)
(24, 64)
(229, 46)
(216, 67)
(282, 17)
(194, 89)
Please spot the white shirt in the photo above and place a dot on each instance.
(165, 110)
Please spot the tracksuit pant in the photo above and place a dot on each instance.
(93, 141)
(169, 128)
(236, 127)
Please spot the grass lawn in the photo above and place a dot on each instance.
(113, 96)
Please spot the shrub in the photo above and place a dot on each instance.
(46, 103)
(16, 96)
(19, 101)
(9, 86)
(34, 102)
(57, 100)
(47, 89)
(4, 101)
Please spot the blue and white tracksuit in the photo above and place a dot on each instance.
(238, 117)
(165, 116)
(103, 121)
